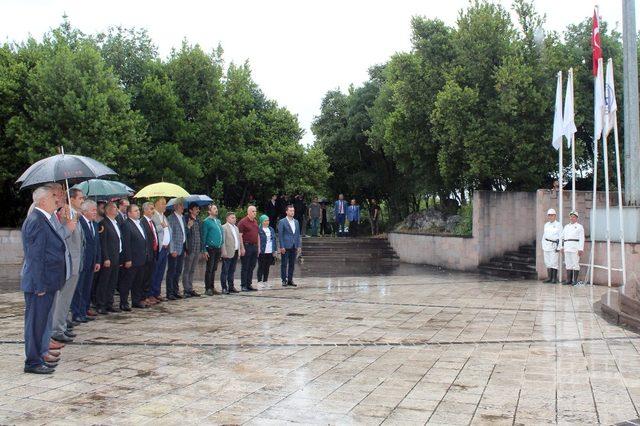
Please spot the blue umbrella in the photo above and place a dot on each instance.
(199, 200)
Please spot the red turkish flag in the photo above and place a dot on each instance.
(596, 47)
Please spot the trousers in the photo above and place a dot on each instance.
(572, 260)
(248, 264)
(174, 270)
(158, 272)
(228, 270)
(36, 316)
(62, 306)
(212, 267)
(264, 263)
(551, 259)
(288, 264)
(190, 263)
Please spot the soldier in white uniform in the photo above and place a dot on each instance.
(550, 246)
(572, 247)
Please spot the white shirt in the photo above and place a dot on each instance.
(268, 248)
(47, 215)
(552, 231)
(115, 225)
(236, 236)
(292, 224)
(93, 231)
(573, 231)
(137, 222)
(184, 232)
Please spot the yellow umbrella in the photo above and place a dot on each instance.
(161, 189)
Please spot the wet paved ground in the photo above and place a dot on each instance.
(436, 347)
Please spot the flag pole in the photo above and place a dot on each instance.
(622, 248)
(605, 161)
(573, 148)
(560, 178)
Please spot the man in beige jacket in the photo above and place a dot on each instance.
(232, 241)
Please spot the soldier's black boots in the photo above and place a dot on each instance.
(549, 276)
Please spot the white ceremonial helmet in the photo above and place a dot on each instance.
(551, 211)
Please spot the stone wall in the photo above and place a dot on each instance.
(10, 247)
(502, 221)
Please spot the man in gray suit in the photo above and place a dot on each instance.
(75, 244)
(193, 247)
(176, 250)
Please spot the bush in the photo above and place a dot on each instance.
(465, 227)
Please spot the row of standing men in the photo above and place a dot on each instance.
(72, 261)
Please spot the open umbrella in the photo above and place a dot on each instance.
(161, 189)
(102, 189)
(63, 167)
(199, 200)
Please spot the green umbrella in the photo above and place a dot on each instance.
(101, 189)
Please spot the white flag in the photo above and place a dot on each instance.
(569, 125)
(598, 104)
(556, 140)
(610, 116)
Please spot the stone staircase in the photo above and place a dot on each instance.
(520, 264)
(348, 250)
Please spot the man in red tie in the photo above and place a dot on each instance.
(153, 245)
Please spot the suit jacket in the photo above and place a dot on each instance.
(44, 255)
(75, 242)
(288, 239)
(229, 245)
(336, 207)
(353, 213)
(135, 248)
(194, 241)
(109, 242)
(64, 233)
(177, 236)
(91, 254)
(263, 239)
(149, 232)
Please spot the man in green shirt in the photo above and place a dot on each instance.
(212, 240)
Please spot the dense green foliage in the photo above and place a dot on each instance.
(189, 119)
(469, 107)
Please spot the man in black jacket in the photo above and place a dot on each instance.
(110, 248)
(135, 255)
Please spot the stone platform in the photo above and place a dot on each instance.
(427, 347)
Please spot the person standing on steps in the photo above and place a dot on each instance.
(572, 247)
(340, 212)
(550, 245)
(290, 242)
(353, 216)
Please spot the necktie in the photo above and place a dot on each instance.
(155, 238)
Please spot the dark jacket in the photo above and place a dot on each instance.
(44, 267)
(134, 244)
(149, 232)
(109, 242)
(92, 253)
(263, 239)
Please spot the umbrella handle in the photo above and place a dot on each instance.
(66, 181)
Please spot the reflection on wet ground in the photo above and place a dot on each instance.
(414, 346)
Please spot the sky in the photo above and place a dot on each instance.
(298, 50)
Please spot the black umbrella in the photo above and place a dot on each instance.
(63, 167)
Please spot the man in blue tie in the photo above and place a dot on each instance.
(340, 212)
(43, 274)
(290, 243)
(91, 262)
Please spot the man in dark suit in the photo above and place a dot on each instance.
(123, 205)
(290, 243)
(135, 255)
(153, 245)
(110, 248)
(43, 274)
(91, 262)
(340, 212)
(271, 209)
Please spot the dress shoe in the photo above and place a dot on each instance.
(251, 289)
(81, 320)
(177, 296)
(74, 323)
(50, 358)
(70, 334)
(50, 364)
(216, 291)
(53, 353)
(140, 306)
(243, 288)
(102, 311)
(62, 338)
(208, 292)
(125, 308)
(186, 295)
(91, 313)
(159, 298)
(172, 297)
(194, 293)
(53, 345)
(88, 318)
(291, 284)
(284, 283)
(233, 290)
(112, 309)
(39, 369)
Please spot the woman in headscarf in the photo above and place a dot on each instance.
(267, 248)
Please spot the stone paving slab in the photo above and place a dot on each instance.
(438, 348)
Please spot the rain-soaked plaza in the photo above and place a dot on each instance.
(413, 346)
